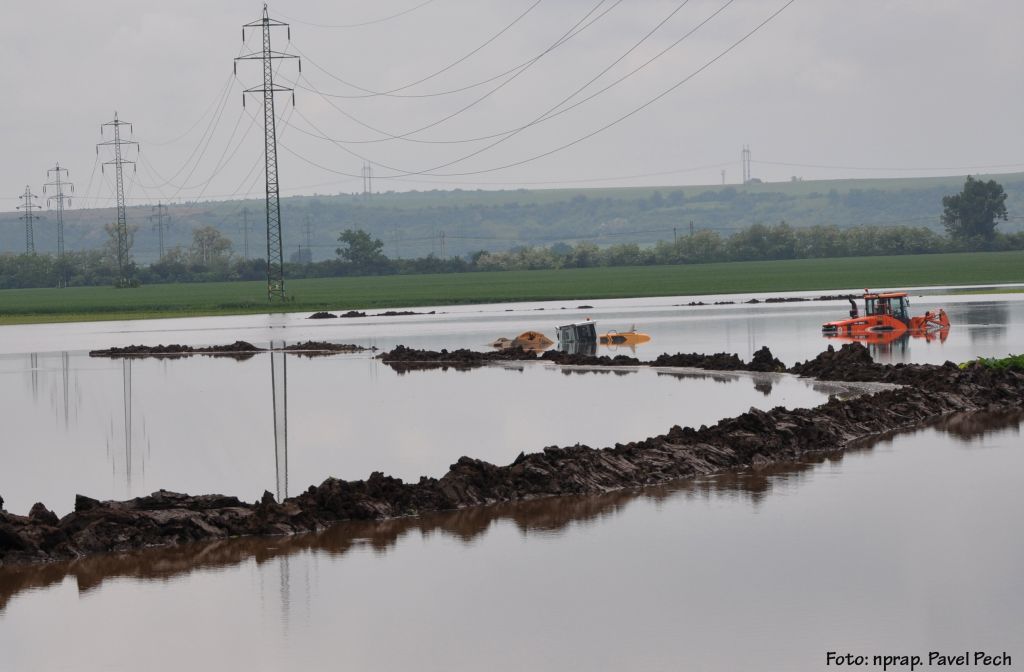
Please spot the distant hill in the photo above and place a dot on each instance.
(413, 224)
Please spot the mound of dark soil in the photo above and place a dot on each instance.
(236, 348)
(323, 346)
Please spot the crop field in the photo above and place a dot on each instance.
(225, 298)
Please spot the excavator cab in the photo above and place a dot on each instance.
(893, 304)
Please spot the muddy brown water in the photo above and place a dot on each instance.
(912, 544)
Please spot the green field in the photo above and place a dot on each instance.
(106, 303)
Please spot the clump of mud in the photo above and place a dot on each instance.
(324, 346)
(408, 358)
(237, 350)
(176, 350)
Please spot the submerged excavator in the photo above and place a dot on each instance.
(885, 313)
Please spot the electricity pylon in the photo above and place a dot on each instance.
(59, 186)
(245, 233)
(275, 249)
(160, 214)
(123, 260)
(29, 206)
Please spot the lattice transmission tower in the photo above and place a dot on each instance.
(367, 179)
(275, 247)
(245, 233)
(60, 183)
(123, 260)
(29, 205)
(159, 215)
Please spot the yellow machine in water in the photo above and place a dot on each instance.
(631, 337)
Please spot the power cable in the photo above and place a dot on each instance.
(553, 111)
(828, 167)
(197, 121)
(623, 117)
(356, 25)
(442, 70)
(204, 142)
(466, 87)
(618, 120)
(221, 162)
(572, 32)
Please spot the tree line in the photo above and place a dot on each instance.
(970, 219)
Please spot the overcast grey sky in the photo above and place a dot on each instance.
(843, 88)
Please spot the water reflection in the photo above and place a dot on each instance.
(577, 370)
(33, 369)
(891, 346)
(551, 515)
(713, 377)
(64, 394)
(124, 431)
(984, 320)
(968, 427)
(279, 397)
(65, 376)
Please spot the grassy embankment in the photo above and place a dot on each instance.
(223, 298)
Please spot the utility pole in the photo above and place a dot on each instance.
(29, 206)
(723, 175)
(159, 214)
(245, 233)
(442, 246)
(691, 228)
(59, 186)
(275, 250)
(745, 157)
(122, 220)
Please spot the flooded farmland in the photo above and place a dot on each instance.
(782, 558)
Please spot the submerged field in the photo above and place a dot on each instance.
(227, 298)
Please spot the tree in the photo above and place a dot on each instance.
(125, 267)
(362, 250)
(111, 244)
(209, 245)
(972, 214)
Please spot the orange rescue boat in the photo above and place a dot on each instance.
(885, 313)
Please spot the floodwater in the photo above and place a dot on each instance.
(906, 546)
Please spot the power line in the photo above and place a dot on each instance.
(369, 93)
(618, 120)
(213, 103)
(553, 111)
(404, 136)
(877, 168)
(467, 56)
(628, 114)
(361, 24)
